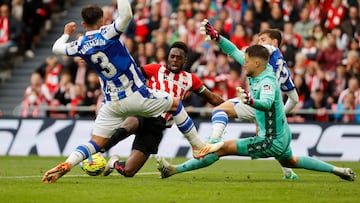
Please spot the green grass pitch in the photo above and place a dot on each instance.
(225, 181)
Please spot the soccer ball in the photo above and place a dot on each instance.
(94, 166)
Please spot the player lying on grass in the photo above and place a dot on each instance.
(122, 83)
(273, 135)
(149, 131)
(233, 108)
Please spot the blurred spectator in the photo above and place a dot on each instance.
(276, 19)
(249, 21)
(261, 11)
(209, 75)
(50, 70)
(317, 102)
(154, 18)
(141, 24)
(290, 11)
(351, 26)
(17, 9)
(160, 40)
(77, 98)
(292, 43)
(236, 9)
(352, 62)
(92, 95)
(187, 7)
(79, 73)
(315, 10)
(302, 89)
(354, 45)
(150, 52)
(36, 95)
(226, 21)
(330, 56)
(140, 55)
(264, 25)
(320, 33)
(34, 16)
(62, 96)
(335, 14)
(342, 40)
(10, 32)
(192, 36)
(305, 25)
(348, 104)
(240, 37)
(222, 63)
(352, 86)
(161, 56)
(301, 64)
(168, 26)
(310, 48)
(338, 83)
(315, 77)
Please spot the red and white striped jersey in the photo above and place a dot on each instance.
(176, 84)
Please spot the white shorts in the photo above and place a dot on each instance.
(113, 113)
(244, 112)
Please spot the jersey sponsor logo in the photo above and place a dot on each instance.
(49, 137)
(266, 89)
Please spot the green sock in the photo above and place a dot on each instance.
(314, 164)
(193, 164)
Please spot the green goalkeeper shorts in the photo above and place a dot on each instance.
(264, 147)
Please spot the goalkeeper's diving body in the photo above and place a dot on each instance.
(273, 132)
(234, 108)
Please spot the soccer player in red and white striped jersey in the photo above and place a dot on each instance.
(170, 78)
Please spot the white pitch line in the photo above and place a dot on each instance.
(24, 177)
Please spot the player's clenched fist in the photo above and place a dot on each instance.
(209, 31)
(70, 28)
(244, 96)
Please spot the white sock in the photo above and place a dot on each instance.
(81, 153)
(187, 127)
(338, 170)
(218, 130)
(219, 121)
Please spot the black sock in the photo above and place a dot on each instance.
(118, 135)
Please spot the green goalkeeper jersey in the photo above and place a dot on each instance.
(264, 89)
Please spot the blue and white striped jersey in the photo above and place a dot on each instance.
(104, 51)
(280, 69)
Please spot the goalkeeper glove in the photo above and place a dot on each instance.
(244, 96)
(209, 31)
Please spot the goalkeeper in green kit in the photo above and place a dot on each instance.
(273, 132)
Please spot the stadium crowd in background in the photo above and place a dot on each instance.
(320, 45)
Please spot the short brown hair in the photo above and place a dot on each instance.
(273, 34)
(258, 51)
(91, 14)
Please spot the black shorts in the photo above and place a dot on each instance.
(149, 134)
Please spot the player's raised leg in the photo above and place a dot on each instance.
(80, 153)
(187, 127)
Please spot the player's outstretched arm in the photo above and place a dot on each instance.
(59, 47)
(228, 47)
(125, 15)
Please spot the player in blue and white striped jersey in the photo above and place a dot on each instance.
(123, 85)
